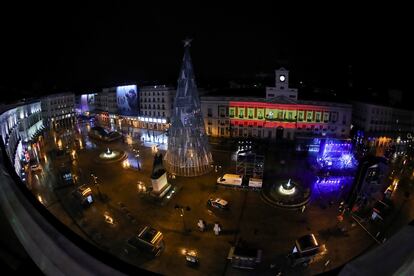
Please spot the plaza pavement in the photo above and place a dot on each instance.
(271, 229)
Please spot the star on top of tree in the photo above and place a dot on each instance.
(187, 42)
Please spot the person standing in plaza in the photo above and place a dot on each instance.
(217, 229)
(201, 225)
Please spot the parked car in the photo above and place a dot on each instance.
(148, 240)
(306, 250)
(84, 195)
(218, 203)
(243, 256)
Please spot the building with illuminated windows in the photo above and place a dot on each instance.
(278, 116)
(58, 109)
(274, 118)
(156, 104)
(383, 121)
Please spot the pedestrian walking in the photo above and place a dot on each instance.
(303, 208)
(217, 229)
(201, 225)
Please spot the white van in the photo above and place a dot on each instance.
(255, 182)
(230, 179)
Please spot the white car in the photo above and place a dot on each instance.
(35, 167)
(218, 203)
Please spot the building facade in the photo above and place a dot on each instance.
(58, 110)
(275, 118)
(382, 121)
(156, 105)
(19, 128)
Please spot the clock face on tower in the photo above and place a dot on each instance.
(282, 78)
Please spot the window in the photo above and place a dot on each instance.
(209, 130)
(309, 115)
(250, 115)
(318, 116)
(241, 113)
(270, 115)
(222, 111)
(222, 131)
(300, 115)
(210, 112)
(334, 116)
(271, 95)
(326, 117)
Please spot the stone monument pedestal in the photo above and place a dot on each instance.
(160, 186)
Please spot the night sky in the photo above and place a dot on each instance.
(67, 48)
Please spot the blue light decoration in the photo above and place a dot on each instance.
(336, 155)
(332, 184)
(315, 145)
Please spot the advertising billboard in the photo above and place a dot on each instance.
(127, 99)
(87, 103)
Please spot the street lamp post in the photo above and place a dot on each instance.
(136, 153)
(97, 185)
(182, 212)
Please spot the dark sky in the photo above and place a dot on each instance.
(82, 47)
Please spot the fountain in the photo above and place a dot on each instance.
(109, 156)
(287, 188)
(286, 193)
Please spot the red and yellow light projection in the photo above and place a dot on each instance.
(272, 115)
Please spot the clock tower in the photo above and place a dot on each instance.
(281, 88)
(282, 79)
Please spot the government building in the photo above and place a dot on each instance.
(278, 116)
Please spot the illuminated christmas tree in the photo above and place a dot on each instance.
(188, 151)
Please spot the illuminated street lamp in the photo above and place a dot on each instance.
(97, 185)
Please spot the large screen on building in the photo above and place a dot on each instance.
(87, 103)
(127, 99)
